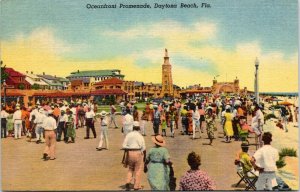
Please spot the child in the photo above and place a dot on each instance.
(172, 122)
(163, 124)
(244, 128)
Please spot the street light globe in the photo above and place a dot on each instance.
(256, 62)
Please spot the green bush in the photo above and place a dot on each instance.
(269, 116)
(288, 152)
(280, 163)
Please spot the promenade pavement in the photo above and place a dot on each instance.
(80, 167)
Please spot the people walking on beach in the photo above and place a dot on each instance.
(49, 125)
(195, 179)
(284, 114)
(157, 163)
(104, 131)
(264, 160)
(134, 156)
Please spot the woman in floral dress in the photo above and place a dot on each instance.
(70, 127)
(195, 179)
(210, 124)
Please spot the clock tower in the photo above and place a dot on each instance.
(167, 82)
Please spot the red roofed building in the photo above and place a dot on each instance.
(114, 86)
(16, 79)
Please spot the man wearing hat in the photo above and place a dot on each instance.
(103, 134)
(135, 149)
(17, 119)
(49, 125)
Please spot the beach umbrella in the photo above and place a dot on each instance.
(286, 103)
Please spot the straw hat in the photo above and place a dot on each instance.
(103, 113)
(159, 140)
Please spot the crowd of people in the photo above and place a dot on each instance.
(55, 122)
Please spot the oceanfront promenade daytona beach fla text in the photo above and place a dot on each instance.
(148, 6)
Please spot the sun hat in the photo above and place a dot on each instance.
(158, 140)
(103, 113)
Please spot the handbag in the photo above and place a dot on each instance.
(172, 183)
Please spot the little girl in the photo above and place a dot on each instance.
(163, 124)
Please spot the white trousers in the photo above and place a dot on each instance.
(196, 123)
(266, 181)
(103, 136)
(18, 130)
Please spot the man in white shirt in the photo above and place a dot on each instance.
(4, 116)
(127, 122)
(258, 122)
(90, 115)
(39, 119)
(61, 128)
(264, 160)
(196, 122)
(17, 123)
(50, 125)
(103, 134)
(135, 149)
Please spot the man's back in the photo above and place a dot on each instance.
(266, 158)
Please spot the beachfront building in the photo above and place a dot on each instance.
(35, 81)
(16, 79)
(232, 88)
(114, 87)
(93, 76)
(53, 82)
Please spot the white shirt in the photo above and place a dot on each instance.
(4, 114)
(49, 123)
(260, 116)
(39, 119)
(63, 118)
(63, 108)
(90, 114)
(127, 123)
(104, 121)
(73, 109)
(17, 117)
(134, 140)
(266, 158)
(234, 112)
(33, 112)
(196, 115)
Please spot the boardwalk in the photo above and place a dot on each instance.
(80, 167)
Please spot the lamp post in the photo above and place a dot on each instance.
(256, 81)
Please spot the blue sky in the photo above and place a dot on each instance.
(97, 35)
